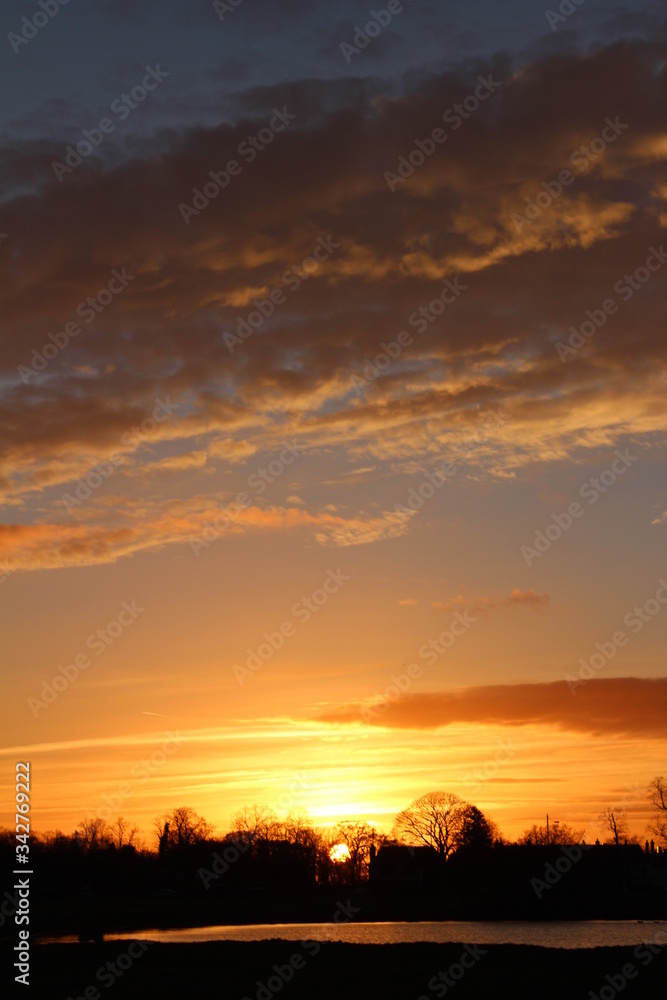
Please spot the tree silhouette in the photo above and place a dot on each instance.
(557, 833)
(358, 838)
(298, 828)
(433, 820)
(256, 823)
(182, 828)
(93, 834)
(476, 831)
(122, 832)
(657, 791)
(613, 819)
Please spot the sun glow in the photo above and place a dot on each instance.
(339, 853)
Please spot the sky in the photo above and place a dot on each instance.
(332, 404)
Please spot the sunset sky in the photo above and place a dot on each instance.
(346, 393)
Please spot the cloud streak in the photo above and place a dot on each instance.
(151, 526)
(485, 605)
(623, 706)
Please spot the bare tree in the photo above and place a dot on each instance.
(7, 838)
(55, 839)
(298, 828)
(434, 820)
(161, 828)
(187, 827)
(657, 791)
(358, 838)
(93, 834)
(255, 823)
(181, 828)
(613, 819)
(122, 833)
(556, 833)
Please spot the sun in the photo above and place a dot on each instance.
(339, 853)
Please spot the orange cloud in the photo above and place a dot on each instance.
(527, 598)
(197, 522)
(485, 605)
(625, 706)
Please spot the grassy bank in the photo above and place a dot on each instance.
(230, 970)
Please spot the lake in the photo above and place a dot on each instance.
(547, 934)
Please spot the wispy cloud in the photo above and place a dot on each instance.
(485, 605)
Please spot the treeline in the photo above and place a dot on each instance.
(443, 859)
(438, 820)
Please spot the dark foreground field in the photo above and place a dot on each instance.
(234, 970)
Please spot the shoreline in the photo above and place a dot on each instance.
(127, 915)
(48, 937)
